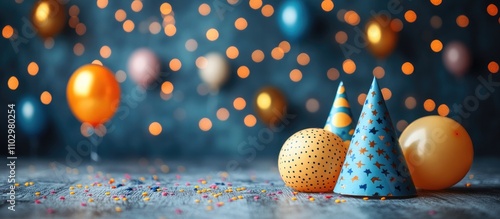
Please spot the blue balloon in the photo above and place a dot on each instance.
(294, 19)
(30, 116)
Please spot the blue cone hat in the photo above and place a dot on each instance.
(340, 118)
(374, 164)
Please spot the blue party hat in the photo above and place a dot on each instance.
(340, 119)
(375, 164)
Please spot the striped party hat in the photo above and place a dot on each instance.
(340, 118)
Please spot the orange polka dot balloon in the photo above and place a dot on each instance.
(311, 160)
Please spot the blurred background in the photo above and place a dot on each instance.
(430, 57)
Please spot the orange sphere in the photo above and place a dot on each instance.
(438, 151)
(311, 160)
(380, 37)
(270, 105)
(93, 94)
(48, 17)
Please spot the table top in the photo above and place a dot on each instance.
(204, 189)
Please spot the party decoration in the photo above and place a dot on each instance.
(48, 17)
(93, 94)
(340, 119)
(311, 159)
(31, 116)
(439, 152)
(215, 71)
(375, 164)
(270, 105)
(381, 39)
(294, 19)
(143, 67)
(456, 58)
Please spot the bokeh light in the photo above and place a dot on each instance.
(462, 21)
(46, 97)
(401, 125)
(295, 75)
(128, 26)
(120, 15)
(407, 68)
(33, 68)
(170, 30)
(436, 22)
(410, 102)
(332, 74)
(349, 66)
(105, 52)
(204, 9)
(255, 4)
(205, 124)
(303, 59)
(257, 56)
(7, 31)
(493, 67)
(429, 105)
(13, 83)
(277, 53)
(492, 9)
(285, 46)
(232, 52)
(167, 87)
(327, 5)
(212, 34)
(361, 98)
(102, 4)
(443, 110)
(410, 16)
(240, 23)
(436, 45)
(191, 45)
(165, 8)
(78, 49)
(155, 128)
(267, 10)
(436, 2)
(175, 64)
(396, 25)
(250, 120)
(136, 6)
(386, 93)
(378, 72)
(312, 105)
(341, 37)
(243, 72)
(239, 103)
(222, 114)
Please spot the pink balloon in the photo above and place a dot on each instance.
(456, 58)
(143, 67)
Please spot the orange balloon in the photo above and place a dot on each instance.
(270, 105)
(93, 94)
(48, 17)
(380, 37)
(438, 151)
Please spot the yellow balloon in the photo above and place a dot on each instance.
(438, 151)
(380, 37)
(270, 105)
(48, 17)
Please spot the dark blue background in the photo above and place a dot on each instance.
(182, 137)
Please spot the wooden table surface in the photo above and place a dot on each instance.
(257, 190)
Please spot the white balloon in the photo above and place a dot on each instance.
(215, 71)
